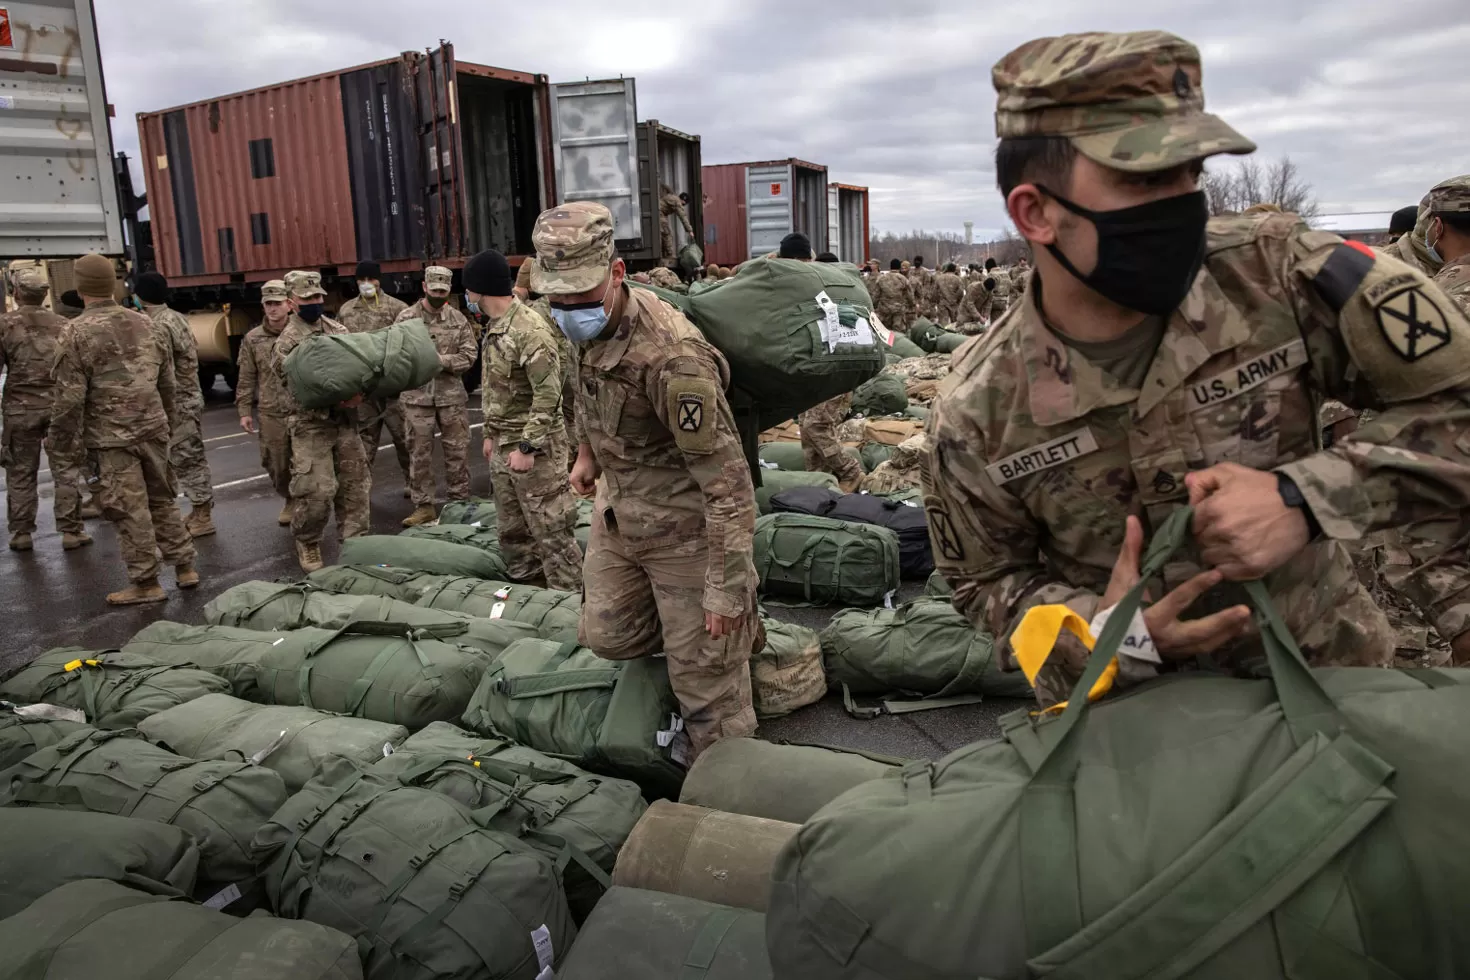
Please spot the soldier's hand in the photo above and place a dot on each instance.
(519, 462)
(488, 449)
(1241, 524)
(352, 402)
(248, 424)
(717, 626)
(584, 474)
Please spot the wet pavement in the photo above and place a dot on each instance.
(54, 598)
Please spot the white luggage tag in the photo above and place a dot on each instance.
(834, 333)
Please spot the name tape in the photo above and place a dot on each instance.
(1062, 449)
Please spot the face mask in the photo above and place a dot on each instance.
(1432, 250)
(581, 322)
(1148, 255)
(310, 312)
(472, 307)
(437, 302)
(367, 290)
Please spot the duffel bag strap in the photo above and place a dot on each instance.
(707, 942)
(297, 588)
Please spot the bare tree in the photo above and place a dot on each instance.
(1248, 182)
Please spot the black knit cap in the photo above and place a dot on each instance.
(152, 289)
(487, 274)
(795, 246)
(369, 270)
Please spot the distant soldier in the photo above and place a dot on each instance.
(949, 291)
(1448, 237)
(30, 339)
(1411, 247)
(186, 443)
(975, 307)
(893, 298)
(115, 397)
(671, 206)
(260, 389)
(1402, 222)
(924, 294)
(328, 470)
(372, 309)
(1000, 293)
(526, 442)
(821, 447)
(442, 402)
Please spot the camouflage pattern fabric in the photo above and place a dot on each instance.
(454, 442)
(1038, 456)
(1454, 279)
(900, 471)
(186, 442)
(922, 281)
(361, 316)
(190, 466)
(975, 306)
(1000, 295)
(820, 446)
(574, 248)
(21, 441)
(949, 293)
(114, 380)
(665, 278)
(295, 331)
(536, 513)
(669, 206)
(455, 341)
(1453, 197)
(1411, 248)
(275, 451)
(523, 378)
(30, 339)
(894, 301)
(259, 390)
(328, 473)
(137, 494)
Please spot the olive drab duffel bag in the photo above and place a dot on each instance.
(826, 562)
(884, 395)
(395, 583)
(327, 369)
(113, 689)
(424, 555)
(469, 535)
(421, 882)
(24, 730)
(1306, 825)
(96, 929)
(777, 780)
(552, 613)
(787, 672)
(476, 511)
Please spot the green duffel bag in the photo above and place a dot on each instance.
(276, 606)
(826, 562)
(774, 481)
(384, 671)
(925, 333)
(44, 849)
(95, 929)
(922, 655)
(884, 395)
(948, 343)
(786, 673)
(937, 586)
(777, 780)
(221, 804)
(788, 456)
(552, 613)
(476, 511)
(1198, 826)
(422, 884)
(605, 716)
(23, 731)
(395, 583)
(905, 348)
(654, 936)
(113, 689)
(575, 818)
(435, 557)
(294, 742)
(471, 536)
(874, 454)
(327, 369)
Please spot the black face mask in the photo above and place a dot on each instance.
(1147, 256)
(310, 312)
(437, 302)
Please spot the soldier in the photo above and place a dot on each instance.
(975, 307)
(1000, 293)
(1411, 248)
(900, 471)
(821, 447)
(441, 402)
(115, 396)
(328, 469)
(1447, 237)
(525, 433)
(186, 443)
(373, 309)
(664, 278)
(1402, 222)
(893, 298)
(795, 246)
(670, 205)
(568, 357)
(669, 567)
(258, 382)
(923, 288)
(949, 291)
(1162, 358)
(30, 339)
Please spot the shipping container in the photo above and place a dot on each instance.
(58, 197)
(752, 206)
(847, 222)
(666, 158)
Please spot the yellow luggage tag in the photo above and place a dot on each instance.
(1033, 640)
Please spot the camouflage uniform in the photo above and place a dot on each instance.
(819, 442)
(949, 292)
(1000, 294)
(374, 415)
(259, 383)
(664, 278)
(670, 206)
(1038, 455)
(893, 300)
(565, 352)
(521, 391)
(186, 442)
(1411, 248)
(115, 397)
(1453, 197)
(923, 282)
(901, 471)
(441, 402)
(30, 338)
(975, 306)
(328, 470)
(675, 512)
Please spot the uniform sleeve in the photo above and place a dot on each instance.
(245, 383)
(167, 388)
(537, 355)
(683, 213)
(688, 397)
(186, 354)
(69, 399)
(463, 356)
(407, 313)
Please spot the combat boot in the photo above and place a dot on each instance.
(309, 556)
(91, 510)
(285, 519)
(187, 577)
(422, 514)
(71, 542)
(200, 522)
(20, 541)
(138, 594)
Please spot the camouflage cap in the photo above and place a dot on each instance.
(438, 279)
(32, 280)
(1126, 101)
(305, 285)
(1451, 196)
(274, 290)
(574, 248)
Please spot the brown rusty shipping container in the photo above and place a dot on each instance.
(750, 207)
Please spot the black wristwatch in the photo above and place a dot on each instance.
(527, 449)
(1291, 496)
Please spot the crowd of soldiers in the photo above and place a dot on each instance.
(1186, 366)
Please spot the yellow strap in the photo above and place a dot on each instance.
(1035, 638)
(76, 664)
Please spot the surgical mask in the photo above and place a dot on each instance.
(581, 322)
(1148, 255)
(310, 312)
(437, 302)
(367, 290)
(472, 307)
(1432, 250)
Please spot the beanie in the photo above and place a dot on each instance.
(487, 274)
(152, 289)
(95, 276)
(796, 246)
(368, 270)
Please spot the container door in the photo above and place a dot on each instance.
(769, 196)
(594, 129)
(54, 139)
(443, 170)
(834, 224)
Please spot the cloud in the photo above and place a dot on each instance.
(1366, 96)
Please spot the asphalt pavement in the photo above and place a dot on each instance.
(54, 598)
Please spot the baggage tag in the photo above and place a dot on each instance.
(223, 897)
(545, 954)
(888, 599)
(497, 610)
(1138, 643)
(767, 465)
(387, 749)
(476, 524)
(834, 333)
(265, 753)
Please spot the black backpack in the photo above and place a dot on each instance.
(916, 558)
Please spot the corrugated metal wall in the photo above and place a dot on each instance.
(770, 200)
(852, 223)
(724, 215)
(383, 162)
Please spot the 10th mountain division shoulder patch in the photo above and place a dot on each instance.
(1412, 323)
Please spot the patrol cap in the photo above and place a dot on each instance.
(1451, 196)
(438, 279)
(305, 285)
(1127, 101)
(274, 290)
(574, 248)
(31, 280)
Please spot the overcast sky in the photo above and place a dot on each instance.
(1368, 96)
